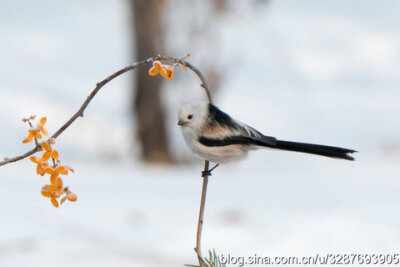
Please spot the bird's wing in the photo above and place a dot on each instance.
(222, 130)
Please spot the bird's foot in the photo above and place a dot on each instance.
(208, 172)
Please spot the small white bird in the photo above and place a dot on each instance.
(215, 136)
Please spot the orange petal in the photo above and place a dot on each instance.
(46, 146)
(157, 64)
(54, 202)
(46, 190)
(63, 199)
(59, 182)
(72, 197)
(46, 156)
(69, 168)
(170, 74)
(40, 170)
(63, 170)
(46, 187)
(44, 131)
(52, 188)
(49, 170)
(53, 178)
(46, 193)
(33, 159)
(153, 71)
(37, 134)
(54, 154)
(28, 139)
(163, 72)
(43, 121)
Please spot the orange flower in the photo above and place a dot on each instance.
(68, 195)
(170, 72)
(55, 172)
(156, 68)
(49, 152)
(40, 169)
(60, 170)
(35, 132)
(54, 202)
(166, 71)
(55, 189)
(41, 165)
(41, 124)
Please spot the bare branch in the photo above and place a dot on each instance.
(197, 249)
(99, 85)
(27, 154)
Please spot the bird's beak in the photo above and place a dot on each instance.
(181, 122)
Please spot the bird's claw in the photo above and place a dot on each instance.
(205, 173)
(208, 172)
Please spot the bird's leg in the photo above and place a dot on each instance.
(208, 173)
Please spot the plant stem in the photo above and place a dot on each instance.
(197, 249)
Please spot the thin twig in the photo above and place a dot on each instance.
(197, 249)
(17, 158)
(99, 85)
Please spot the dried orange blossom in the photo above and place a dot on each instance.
(55, 189)
(41, 165)
(68, 195)
(166, 71)
(49, 152)
(35, 132)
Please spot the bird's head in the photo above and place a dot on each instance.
(193, 114)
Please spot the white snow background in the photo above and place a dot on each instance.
(316, 71)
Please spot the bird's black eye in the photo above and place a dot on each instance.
(190, 117)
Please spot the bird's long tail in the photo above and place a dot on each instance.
(327, 151)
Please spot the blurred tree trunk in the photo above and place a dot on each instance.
(147, 106)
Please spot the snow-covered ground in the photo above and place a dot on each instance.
(317, 71)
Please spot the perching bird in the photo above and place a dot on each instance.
(214, 136)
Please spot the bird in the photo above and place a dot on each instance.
(213, 135)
